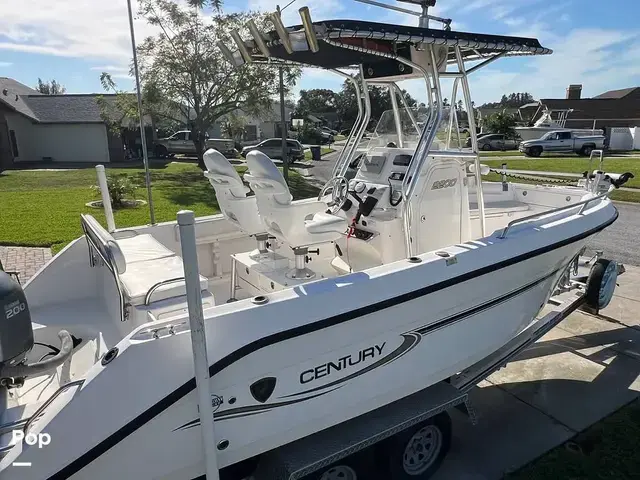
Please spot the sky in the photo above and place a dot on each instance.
(595, 43)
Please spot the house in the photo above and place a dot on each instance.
(257, 127)
(615, 108)
(58, 128)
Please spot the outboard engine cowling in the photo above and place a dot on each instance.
(16, 332)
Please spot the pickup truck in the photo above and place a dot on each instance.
(562, 141)
(181, 142)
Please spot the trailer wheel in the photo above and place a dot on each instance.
(601, 283)
(417, 452)
(338, 472)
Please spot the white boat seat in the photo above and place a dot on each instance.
(138, 264)
(231, 193)
(323, 222)
(298, 224)
(141, 276)
(140, 248)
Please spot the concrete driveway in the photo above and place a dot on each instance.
(580, 372)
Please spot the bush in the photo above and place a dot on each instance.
(120, 188)
(307, 133)
(502, 122)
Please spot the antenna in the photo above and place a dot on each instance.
(424, 16)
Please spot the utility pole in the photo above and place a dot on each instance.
(283, 123)
(145, 156)
(283, 128)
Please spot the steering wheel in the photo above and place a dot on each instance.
(339, 187)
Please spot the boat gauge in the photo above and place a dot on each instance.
(359, 187)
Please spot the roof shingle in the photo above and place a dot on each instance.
(617, 94)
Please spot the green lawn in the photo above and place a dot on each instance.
(608, 450)
(42, 208)
(573, 165)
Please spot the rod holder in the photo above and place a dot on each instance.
(106, 198)
(186, 224)
(309, 32)
(241, 46)
(257, 37)
(281, 30)
(228, 54)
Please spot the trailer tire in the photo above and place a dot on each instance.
(339, 471)
(601, 283)
(417, 452)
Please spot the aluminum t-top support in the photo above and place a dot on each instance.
(186, 224)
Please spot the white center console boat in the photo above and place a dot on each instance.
(317, 311)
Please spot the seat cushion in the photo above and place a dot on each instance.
(141, 248)
(144, 274)
(325, 223)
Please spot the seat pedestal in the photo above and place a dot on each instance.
(301, 272)
(263, 246)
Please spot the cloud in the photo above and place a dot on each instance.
(319, 9)
(514, 22)
(86, 29)
(6, 64)
(111, 68)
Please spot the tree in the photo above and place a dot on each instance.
(50, 88)
(513, 100)
(183, 71)
(347, 105)
(120, 109)
(315, 101)
(501, 122)
(234, 125)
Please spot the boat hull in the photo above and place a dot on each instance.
(312, 357)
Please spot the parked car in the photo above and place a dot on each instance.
(327, 137)
(479, 136)
(181, 142)
(562, 141)
(272, 147)
(330, 131)
(496, 141)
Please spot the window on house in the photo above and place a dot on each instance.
(14, 143)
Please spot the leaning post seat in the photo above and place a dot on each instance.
(144, 270)
(300, 225)
(233, 197)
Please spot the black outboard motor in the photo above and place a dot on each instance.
(16, 337)
(16, 333)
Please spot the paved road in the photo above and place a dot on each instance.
(322, 169)
(620, 241)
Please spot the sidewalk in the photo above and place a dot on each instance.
(580, 372)
(24, 260)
